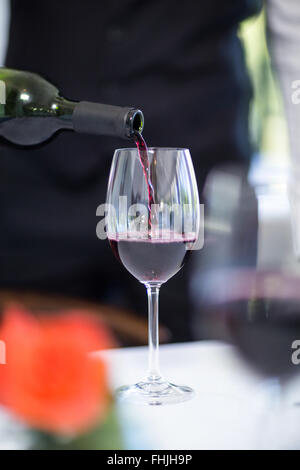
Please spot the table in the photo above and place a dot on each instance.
(233, 408)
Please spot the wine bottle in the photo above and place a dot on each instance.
(32, 110)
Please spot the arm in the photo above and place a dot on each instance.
(283, 23)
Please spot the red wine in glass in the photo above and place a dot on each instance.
(259, 312)
(263, 330)
(153, 260)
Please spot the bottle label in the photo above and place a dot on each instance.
(2, 92)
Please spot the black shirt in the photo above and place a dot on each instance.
(180, 62)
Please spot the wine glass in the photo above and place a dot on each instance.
(152, 241)
(247, 284)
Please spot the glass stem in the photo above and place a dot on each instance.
(153, 335)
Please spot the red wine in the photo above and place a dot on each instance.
(144, 159)
(152, 259)
(263, 330)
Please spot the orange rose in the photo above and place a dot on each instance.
(50, 381)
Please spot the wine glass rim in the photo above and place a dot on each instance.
(181, 149)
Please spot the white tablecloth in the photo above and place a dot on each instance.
(233, 408)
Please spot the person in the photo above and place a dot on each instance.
(183, 64)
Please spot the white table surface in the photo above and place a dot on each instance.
(233, 408)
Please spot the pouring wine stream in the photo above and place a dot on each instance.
(145, 162)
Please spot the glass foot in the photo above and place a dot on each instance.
(154, 392)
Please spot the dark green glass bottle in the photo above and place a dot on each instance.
(32, 110)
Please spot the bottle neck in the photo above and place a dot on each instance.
(96, 118)
(104, 119)
(63, 110)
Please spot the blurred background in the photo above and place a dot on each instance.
(247, 213)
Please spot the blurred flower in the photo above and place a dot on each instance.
(50, 381)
